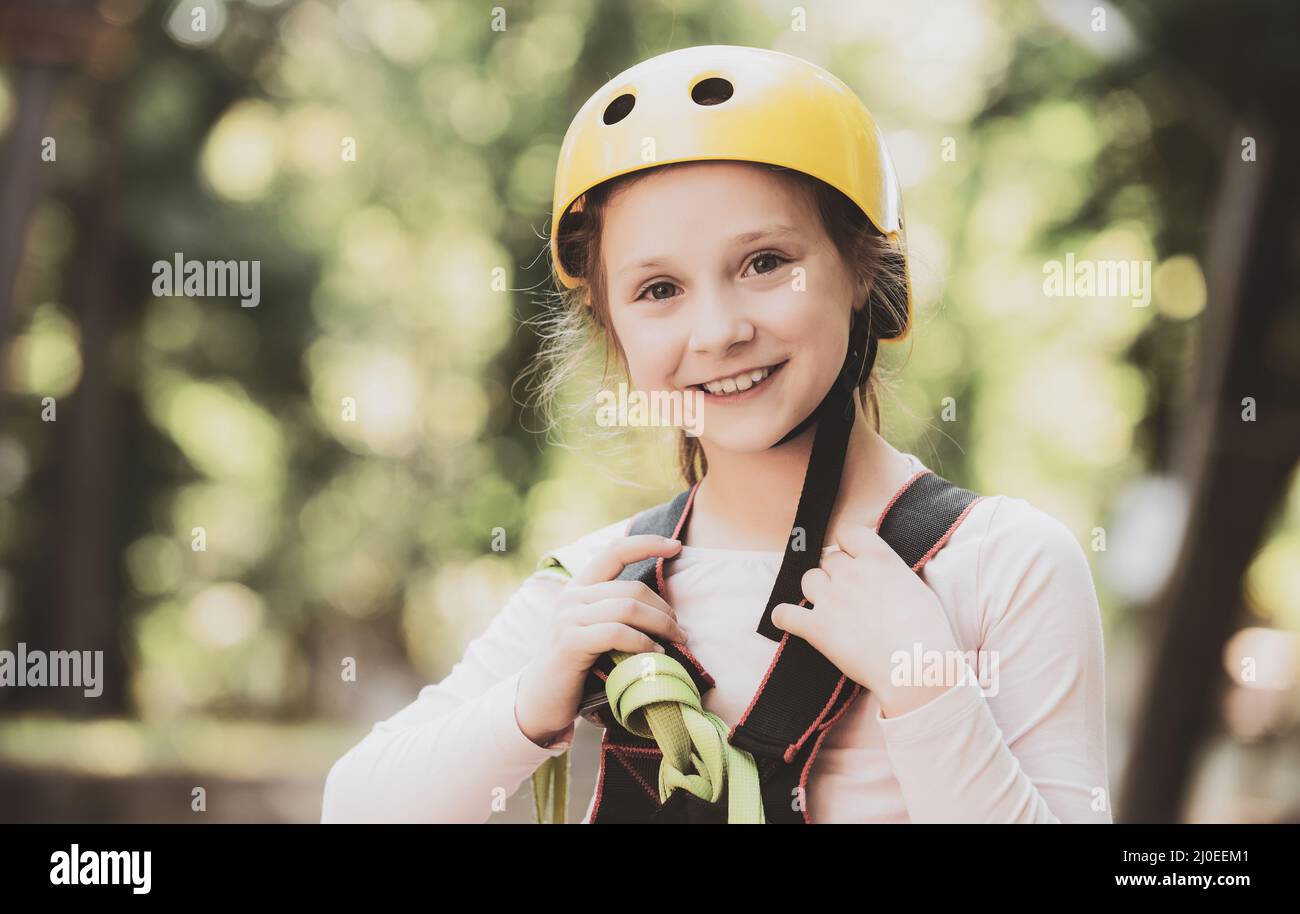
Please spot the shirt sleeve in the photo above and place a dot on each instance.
(457, 751)
(1023, 741)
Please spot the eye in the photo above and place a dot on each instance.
(771, 258)
(655, 289)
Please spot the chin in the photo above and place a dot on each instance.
(744, 440)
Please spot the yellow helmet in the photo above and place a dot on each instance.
(738, 103)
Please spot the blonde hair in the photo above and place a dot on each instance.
(576, 320)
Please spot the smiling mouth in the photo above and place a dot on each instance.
(740, 383)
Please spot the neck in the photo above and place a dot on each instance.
(748, 500)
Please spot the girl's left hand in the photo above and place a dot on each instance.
(870, 604)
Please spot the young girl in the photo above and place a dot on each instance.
(818, 628)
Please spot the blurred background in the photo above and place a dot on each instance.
(183, 487)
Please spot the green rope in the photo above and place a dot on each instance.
(551, 790)
(653, 696)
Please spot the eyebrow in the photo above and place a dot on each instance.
(743, 238)
(765, 232)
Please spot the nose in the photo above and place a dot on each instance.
(720, 323)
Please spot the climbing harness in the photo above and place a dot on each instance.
(664, 759)
(801, 697)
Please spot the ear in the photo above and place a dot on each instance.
(861, 301)
(861, 296)
(865, 287)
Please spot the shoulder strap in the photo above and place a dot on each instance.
(802, 689)
(921, 518)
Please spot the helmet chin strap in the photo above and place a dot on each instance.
(855, 368)
(834, 417)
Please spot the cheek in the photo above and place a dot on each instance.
(649, 349)
(810, 322)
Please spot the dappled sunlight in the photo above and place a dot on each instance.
(47, 358)
(242, 154)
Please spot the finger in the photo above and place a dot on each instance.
(856, 539)
(836, 563)
(814, 582)
(595, 640)
(632, 590)
(793, 619)
(639, 615)
(610, 562)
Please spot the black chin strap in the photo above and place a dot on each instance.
(861, 342)
(821, 483)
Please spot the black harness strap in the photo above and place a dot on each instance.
(802, 696)
(923, 516)
(803, 693)
(821, 485)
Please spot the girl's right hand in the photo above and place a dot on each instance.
(593, 614)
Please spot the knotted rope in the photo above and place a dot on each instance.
(653, 696)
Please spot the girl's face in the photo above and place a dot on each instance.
(716, 271)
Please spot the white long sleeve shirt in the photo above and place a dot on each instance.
(1026, 743)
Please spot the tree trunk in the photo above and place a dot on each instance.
(1236, 470)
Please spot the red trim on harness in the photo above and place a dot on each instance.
(807, 767)
(659, 581)
(947, 534)
(897, 495)
(606, 746)
(762, 684)
(792, 751)
(600, 783)
(677, 534)
(826, 729)
(708, 677)
(777, 656)
(646, 785)
(820, 727)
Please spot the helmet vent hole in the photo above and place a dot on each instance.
(712, 91)
(619, 108)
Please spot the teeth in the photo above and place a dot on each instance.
(738, 383)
